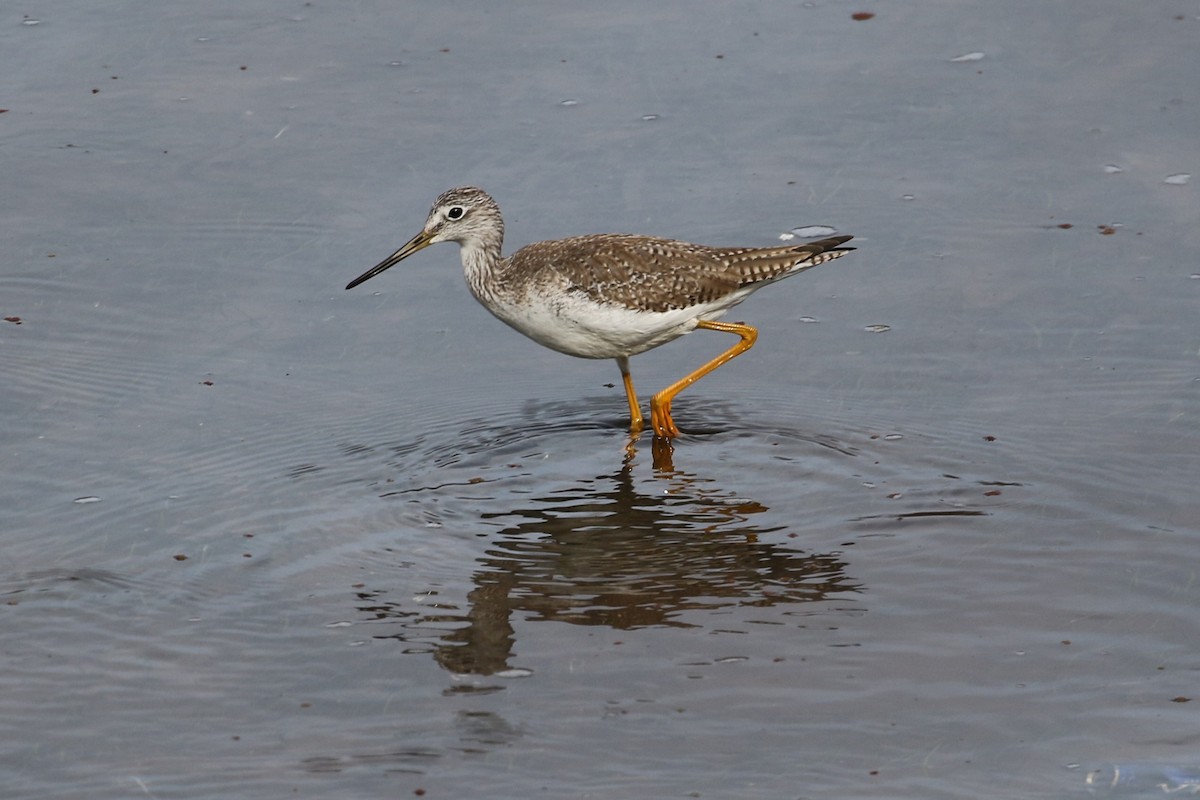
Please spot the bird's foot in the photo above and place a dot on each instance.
(636, 426)
(660, 419)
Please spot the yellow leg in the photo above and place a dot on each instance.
(660, 404)
(636, 422)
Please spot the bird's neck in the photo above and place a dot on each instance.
(481, 262)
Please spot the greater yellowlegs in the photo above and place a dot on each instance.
(608, 295)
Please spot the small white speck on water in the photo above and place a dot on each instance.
(1178, 179)
(877, 328)
(649, 117)
(808, 319)
(395, 63)
(516, 672)
(202, 39)
(786, 237)
(809, 231)
(1195, 276)
(975, 56)
(569, 103)
(341, 623)
(893, 437)
(85, 500)
(1113, 169)
(908, 197)
(30, 21)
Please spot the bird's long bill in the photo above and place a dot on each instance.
(418, 242)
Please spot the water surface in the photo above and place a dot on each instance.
(933, 537)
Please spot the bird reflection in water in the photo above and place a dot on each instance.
(602, 553)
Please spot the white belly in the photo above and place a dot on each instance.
(575, 325)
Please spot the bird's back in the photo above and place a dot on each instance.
(643, 273)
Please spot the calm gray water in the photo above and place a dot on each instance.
(935, 536)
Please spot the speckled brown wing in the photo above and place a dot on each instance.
(651, 274)
(637, 272)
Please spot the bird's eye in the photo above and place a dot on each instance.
(455, 212)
